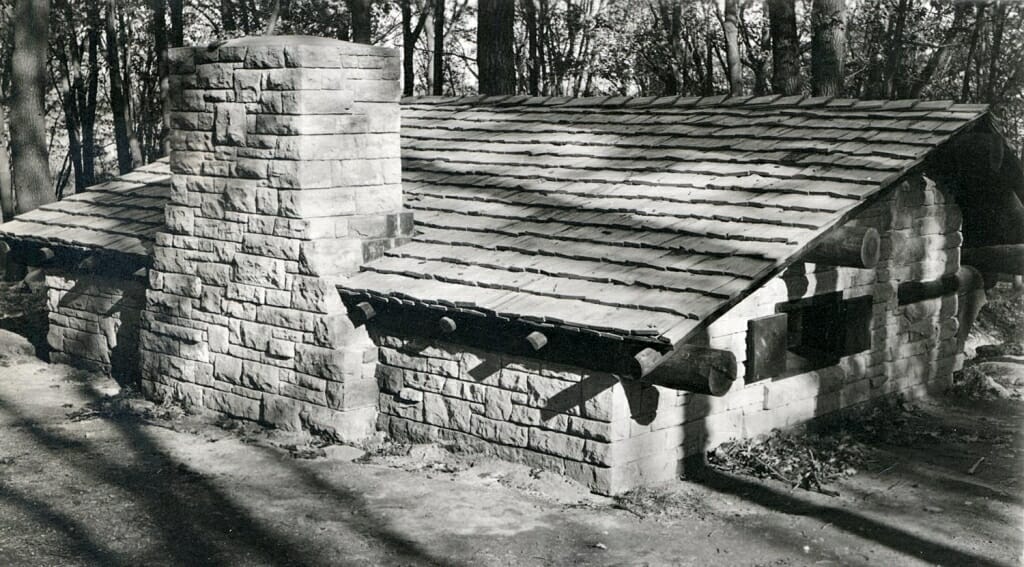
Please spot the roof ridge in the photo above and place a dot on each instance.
(637, 102)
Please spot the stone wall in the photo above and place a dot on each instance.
(286, 176)
(613, 436)
(94, 322)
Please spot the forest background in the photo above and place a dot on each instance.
(83, 82)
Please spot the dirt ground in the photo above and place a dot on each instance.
(90, 479)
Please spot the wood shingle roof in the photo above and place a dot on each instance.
(633, 218)
(120, 216)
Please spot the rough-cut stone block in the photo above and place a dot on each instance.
(229, 124)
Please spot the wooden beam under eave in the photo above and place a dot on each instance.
(697, 369)
(849, 246)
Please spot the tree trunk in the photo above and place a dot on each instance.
(828, 47)
(160, 45)
(118, 104)
(939, 59)
(495, 55)
(785, 47)
(533, 77)
(732, 46)
(92, 90)
(709, 61)
(543, 24)
(408, 49)
(437, 82)
(177, 38)
(360, 10)
(895, 55)
(6, 191)
(29, 153)
(673, 75)
(999, 21)
(979, 21)
(126, 85)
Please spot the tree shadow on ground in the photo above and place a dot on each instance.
(852, 522)
(187, 520)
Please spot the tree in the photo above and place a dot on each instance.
(6, 191)
(894, 59)
(361, 21)
(828, 47)
(495, 53)
(29, 154)
(730, 25)
(532, 47)
(410, 35)
(160, 45)
(177, 38)
(437, 81)
(939, 59)
(76, 74)
(129, 153)
(979, 22)
(785, 47)
(999, 21)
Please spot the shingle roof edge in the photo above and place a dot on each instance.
(693, 102)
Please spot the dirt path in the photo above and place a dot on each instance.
(79, 487)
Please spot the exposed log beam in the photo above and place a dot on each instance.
(850, 246)
(447, 325)
(1001, 259)
(537, 340)
(697, 369)
(366, 310)
(913, 292)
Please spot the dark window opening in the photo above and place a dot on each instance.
(808, 334)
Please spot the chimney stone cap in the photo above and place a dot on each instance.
(301, 40)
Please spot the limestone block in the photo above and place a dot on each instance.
(281, 349)
(296, 125)
(259, 271)
(337, 256)
(229, 124)
(305, 174)
(227, 368)
(557, 444)
(264, 57)
(331, 364)
(285, 318)
(232, 404)
(281, 412)
(326, 202)
(262, 377)
(270, 246)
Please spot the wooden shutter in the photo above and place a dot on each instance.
(766, 346)
(857, 314)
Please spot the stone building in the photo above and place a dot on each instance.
(600, 287)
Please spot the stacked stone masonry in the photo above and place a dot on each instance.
(286, 176)
(94, 322)
(616, 435)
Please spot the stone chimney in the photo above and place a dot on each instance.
(286, 175)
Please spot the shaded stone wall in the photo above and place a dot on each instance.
(613, 436)
(286, 175)
(913, 346)
(94, 322)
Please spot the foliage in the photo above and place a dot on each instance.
(1003, 315)
(932, 49)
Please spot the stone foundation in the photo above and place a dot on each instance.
(614, 436)
(94, 322)
(286, 176)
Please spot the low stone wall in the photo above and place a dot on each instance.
(614, 435)
(94, 322)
